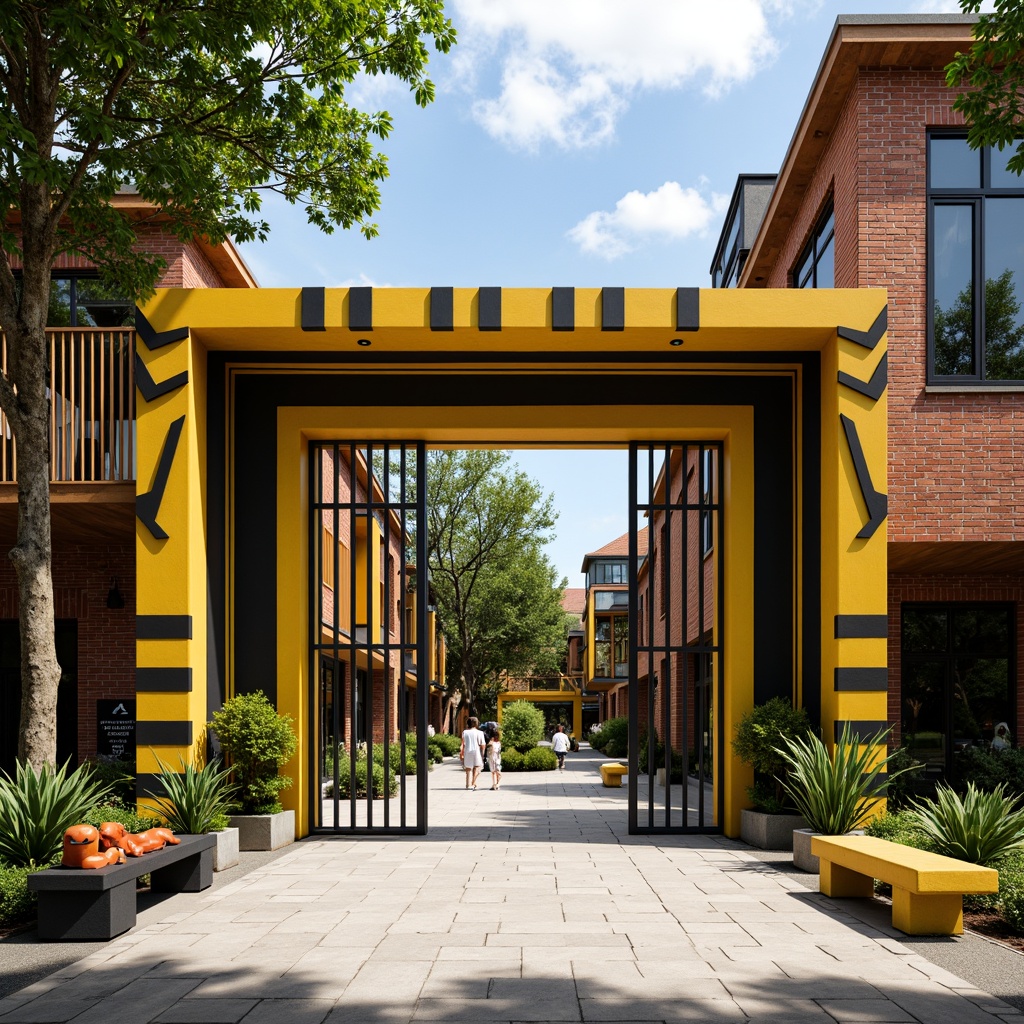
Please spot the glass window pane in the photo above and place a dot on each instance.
(1004, 289)
(801, 274)
(953, 281)
(603, 629)
(981, 631)
(923, 714)
(59, 313)
(924, 630)
(981, 699)
(1001, 177)
(825, 274)
(952, 163)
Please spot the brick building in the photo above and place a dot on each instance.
(879, 189)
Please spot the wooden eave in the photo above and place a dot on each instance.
(857, 43)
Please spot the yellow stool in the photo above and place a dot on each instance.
(611, 773)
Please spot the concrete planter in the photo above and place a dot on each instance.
(769, 831)
(264, 831)
(225, 853)
(802, 856)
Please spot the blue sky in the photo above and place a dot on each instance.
(575, 142)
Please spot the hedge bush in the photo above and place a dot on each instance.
(17, 904)
(989, 769)
(522, 725)
(435, 752)
(1011, 891)
(512, 760)
(612, 734)
(344, 780)
(540, 759)
(448, 742)
(124, 815)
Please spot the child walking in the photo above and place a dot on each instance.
(494, 758)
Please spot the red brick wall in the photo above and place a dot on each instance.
(106, 636)
(953, 456)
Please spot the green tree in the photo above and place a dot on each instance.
(498, 597)
(200, 107)
(990, 77)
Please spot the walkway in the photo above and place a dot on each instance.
(528, 904)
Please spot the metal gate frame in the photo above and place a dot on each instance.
(358, 641)
(650, 825)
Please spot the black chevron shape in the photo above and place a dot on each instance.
(871, 337)
(148, 505)
(874, 387)
(156, 339)
(877, 504)
(149, 387)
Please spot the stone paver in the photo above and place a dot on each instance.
(530, 904)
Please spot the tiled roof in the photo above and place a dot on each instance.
(619, 548)
(574, 599)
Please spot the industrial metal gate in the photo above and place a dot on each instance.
(676, 745)
(368, 602)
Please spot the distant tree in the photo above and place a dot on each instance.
(200, 107)
(498, 597)
(990, 77)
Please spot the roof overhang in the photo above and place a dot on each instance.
(857, 42)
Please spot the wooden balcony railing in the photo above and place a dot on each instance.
(92, 407)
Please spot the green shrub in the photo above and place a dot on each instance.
(522, 725)
(898, 827)
(17, 904)
(540, 759)
(512, 760)
(760, 736)
(395, 757)
(981, 827)
(448, 742)
(835, 793)
(615, 730)
(194, 799)
(989, 769)
(616, 748)
(128, 816)
(344, 779)
(1011, 891)
(118, 775)
(259, 742)
(435, 753)
(37, 808)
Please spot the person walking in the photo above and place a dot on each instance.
(472, 752)
(494, 758)
(560, 744)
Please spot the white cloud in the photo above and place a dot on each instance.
(569, 67)
(669, 213)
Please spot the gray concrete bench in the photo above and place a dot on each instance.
(80, 905)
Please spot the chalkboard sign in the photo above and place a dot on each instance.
(115, 729)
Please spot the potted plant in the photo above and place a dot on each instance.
(197, 801)
(835, 793)
(258, 742)
(769, 824)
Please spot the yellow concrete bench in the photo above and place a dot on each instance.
(927, 888)
(611, 773)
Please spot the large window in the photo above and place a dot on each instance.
(816, 267)
(611, 647)
(975, 264)
(611, 572)
(957, 670)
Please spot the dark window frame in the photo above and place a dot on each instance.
(973, 197)
(75, 304)
(823, 235)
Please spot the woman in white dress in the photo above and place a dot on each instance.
(472, 752)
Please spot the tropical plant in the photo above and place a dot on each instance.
(758, 735)
(259, 742)
(981, 827)
(835, 793)
(36, 808)
(196, 799)
(522, 725)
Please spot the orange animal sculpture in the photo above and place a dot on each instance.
(82, 849)
(113, 835)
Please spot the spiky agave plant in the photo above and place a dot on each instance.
(194, 798)
(981, 828)
(834, 793)
(36, 808)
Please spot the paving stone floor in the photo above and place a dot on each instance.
(527, 904)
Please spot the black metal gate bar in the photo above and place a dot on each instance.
(675, 661)
(363, 669)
